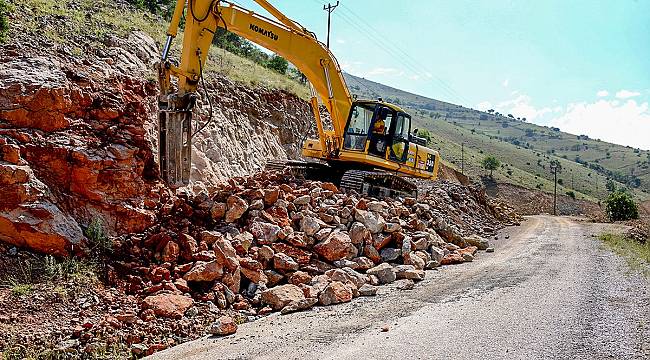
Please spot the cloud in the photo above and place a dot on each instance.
(626, 123)
(381, 71)
(521, 107)
(602, 93)
(340, 41)
(624, 94)
(506, 82)
(350, 67)
(484, 105)
(414, 77)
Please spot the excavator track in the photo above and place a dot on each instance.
(297, 168)
(372, 183)
(377, 183)
(302, 169)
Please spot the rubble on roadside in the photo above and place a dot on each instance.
(271, 242)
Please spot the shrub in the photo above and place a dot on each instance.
(4, 22)
(160, 7)
(620, 206)
(97, 236)
(21, 289)
(424, 133)
(571, 194)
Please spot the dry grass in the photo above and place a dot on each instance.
(635, 253)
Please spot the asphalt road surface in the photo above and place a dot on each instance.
(550, 291)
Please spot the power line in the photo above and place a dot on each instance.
(362, 84)
(396, 56)
(408, 56)
(399, 55)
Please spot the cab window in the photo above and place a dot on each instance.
(400, 138)
(357, 131)
(402, 127)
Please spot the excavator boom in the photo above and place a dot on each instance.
(299, 46)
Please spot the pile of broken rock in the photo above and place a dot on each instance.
(271, 242)
(250, 247)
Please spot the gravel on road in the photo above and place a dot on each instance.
(550, 290)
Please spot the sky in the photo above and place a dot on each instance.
(582, 66)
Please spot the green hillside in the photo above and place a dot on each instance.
(525, 149)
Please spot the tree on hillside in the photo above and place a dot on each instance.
(424, 133)
(490, 163)
(300, 77)
(279, 64)
(621, 206)
(491, 111)
(511, 116)
(610, 185)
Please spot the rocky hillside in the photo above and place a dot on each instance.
(78, 137)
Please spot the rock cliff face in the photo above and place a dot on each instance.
(74, 145)
(78, 141)
(249, 126)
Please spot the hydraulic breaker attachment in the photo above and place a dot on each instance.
(175, 139)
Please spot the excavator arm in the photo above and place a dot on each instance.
(282, 36)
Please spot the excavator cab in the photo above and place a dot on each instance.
(378, 129)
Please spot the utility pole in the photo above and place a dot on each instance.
(462, 158)
(329, 8)
(555, 194)
(555, 167)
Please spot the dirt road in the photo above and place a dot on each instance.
(549, 291)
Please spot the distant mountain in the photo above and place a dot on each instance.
(524, 149)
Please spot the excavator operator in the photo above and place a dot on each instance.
(380, 126)
(378, 141)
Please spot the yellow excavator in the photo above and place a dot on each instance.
(370, 147)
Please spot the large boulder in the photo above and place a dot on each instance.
(265, 233)
(224, 325)
(408, 272)
(309, 225)
(205, 271)
(375, 223)
(390, 254)
(299, 305)
(225, 253)
(168, 305)
(280, 296)
(384, 272)
(284, 263)
(436, 254)
(480, 242)
(368, 290)
(336, 292)
(236, 208)
(359, 233)
(336, 247)
(170, 252)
